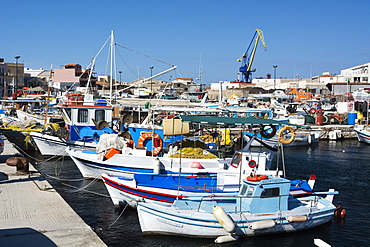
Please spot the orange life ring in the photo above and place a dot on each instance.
(257, 177)
(151, 135)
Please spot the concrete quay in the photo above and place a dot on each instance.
(32, 213)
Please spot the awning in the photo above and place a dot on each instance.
(231, 121)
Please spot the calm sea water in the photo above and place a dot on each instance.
(343, 165)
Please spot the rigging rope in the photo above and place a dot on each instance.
(144, 54)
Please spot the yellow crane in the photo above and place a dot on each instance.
(246, 68)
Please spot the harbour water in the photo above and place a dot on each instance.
(342, 165)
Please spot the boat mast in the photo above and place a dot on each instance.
(48, 97)
(112, 58)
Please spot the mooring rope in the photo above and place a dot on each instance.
(119, 216)
(86, 186)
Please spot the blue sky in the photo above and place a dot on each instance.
(304, 38)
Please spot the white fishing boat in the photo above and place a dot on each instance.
(146, 153)
(84, 123)
(39, 116)
(302, 137)
(263, 206)
(363, 135)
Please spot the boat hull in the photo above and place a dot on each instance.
(166, 220)
(132, 163)
(55, 146)
(363, 136)
(301, 138)
(168, 188)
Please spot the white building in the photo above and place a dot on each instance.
(356, 74)
(33, 72)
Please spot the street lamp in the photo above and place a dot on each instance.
(151, 83)
(16, 72)
(275, 66)
(120, 73)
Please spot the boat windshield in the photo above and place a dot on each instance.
(247, 190)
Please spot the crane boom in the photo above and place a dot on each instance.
(246, 68)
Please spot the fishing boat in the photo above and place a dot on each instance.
(84, 123)
(262, 206)
(302, 137)
(168, 187)
(143, 158)
(363, 135)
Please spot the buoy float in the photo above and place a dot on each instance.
(263, 224)
(224, 219)
(226, 239)
(340, 212)
(157, 166)
(320, 243)
(296, 218)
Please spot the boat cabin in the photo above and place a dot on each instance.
(256, 197)
(265, 196)
(78, 116)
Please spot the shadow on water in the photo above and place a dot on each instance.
(343, 165)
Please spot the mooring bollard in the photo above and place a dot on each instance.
(20, 162)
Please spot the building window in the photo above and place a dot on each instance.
(365, 79)
(83, 116)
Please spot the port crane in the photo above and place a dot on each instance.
(248, 57)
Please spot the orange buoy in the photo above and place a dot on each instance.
(340, 212)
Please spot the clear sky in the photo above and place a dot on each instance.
(304, 38)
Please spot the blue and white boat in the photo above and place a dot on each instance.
(168, 187)
(261, 207)
(139, 159)
(84, 123)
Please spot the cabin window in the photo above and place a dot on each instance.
(243, 189)
(250, 191)
(272, 192)
(99, 115)
(68, 112)
(83, 116)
